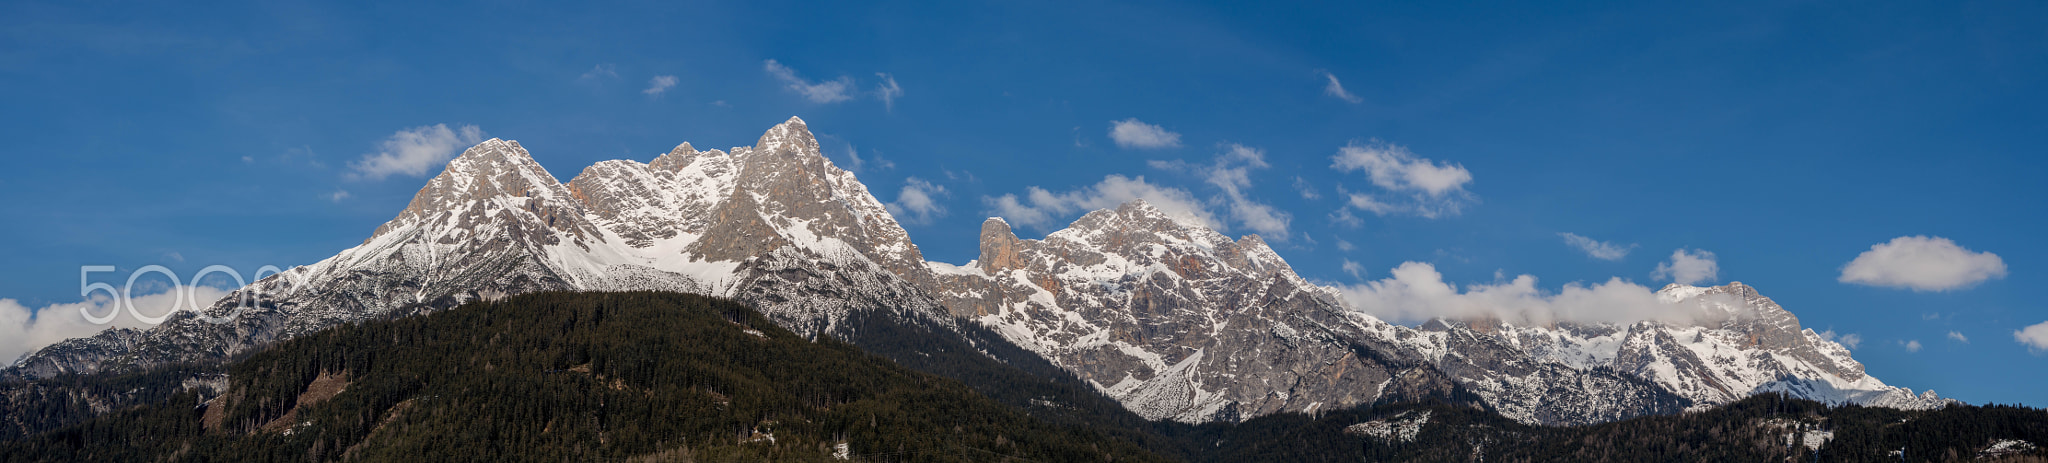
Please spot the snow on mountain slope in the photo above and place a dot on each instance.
(1739, 344)
(1180, 322)
(789, 232)
(1173, 319)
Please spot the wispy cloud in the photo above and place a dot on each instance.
(830, 91)
(1356, 270)
(1133, 133)
(1957, 336)
(1850, 340)
(862, 164)
(1688, 266)
(1911, 346)
(601, 71)
(1432, 189)
(1336, 89)
(1307, 190)
(1603, 250)
(1039, 208)
(918, 202)
(1231, 173)
(1394, 168)
(659, 85)
(888, 91)
(337, 195)
(414, 151)
(1922, 263)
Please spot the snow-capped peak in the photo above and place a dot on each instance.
(1172, 318)
(790, 134)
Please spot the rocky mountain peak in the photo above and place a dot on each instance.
(790, 136)
(493, 178)
(1133, 223)
(1252, 252)
(680, 158)
(1153, 307)
(787, 193)
(1142, 214)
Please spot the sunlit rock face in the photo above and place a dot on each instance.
(1173, 319)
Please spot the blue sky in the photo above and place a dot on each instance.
(1786, 138)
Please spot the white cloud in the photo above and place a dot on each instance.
(337, 195)
(888, 91)
(659, 85)
(1307, 191)
(1356, 270)
(1394, 168)
(1957, 336)
(414, 151)
(1603, 250)
(1041, 207)
(1922, 263)
(1132, 133)
(1231, 173)
(1336, 89)
(1434, 189)
(23, 330)
(1911, 346)
(1688, 267)
(831, 91)
(603, 70)
(1344, 245)
(1850, 340)
(2035, 337)
(1368, 203)
(1260, 217)
(1416, 292)
(918, 203)
(1343, 216)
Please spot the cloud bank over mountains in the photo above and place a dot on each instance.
(1688, 266)
(24, 329)
(1415, 292)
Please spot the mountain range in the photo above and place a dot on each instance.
(1171, 319)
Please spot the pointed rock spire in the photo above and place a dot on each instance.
(999, 246)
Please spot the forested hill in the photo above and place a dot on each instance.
(649, 376)
(573, 377)
(1767, 427)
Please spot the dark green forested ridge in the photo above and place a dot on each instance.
(648, 376)
(574, 377)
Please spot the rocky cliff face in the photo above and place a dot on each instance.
(775, 225)
(1739, 343)
(1180, 322)
(1172, 319)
